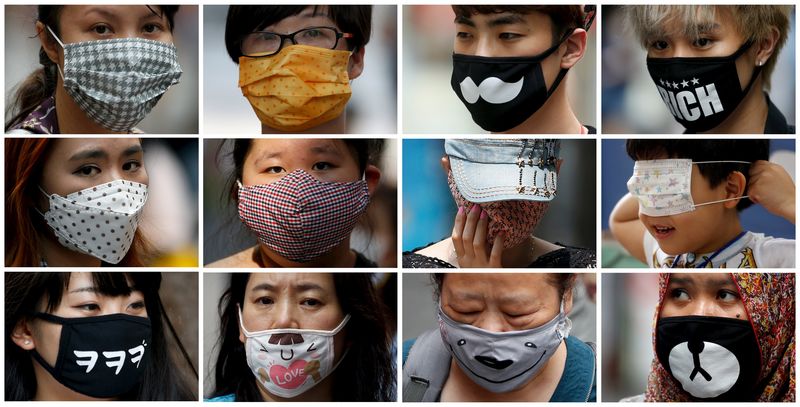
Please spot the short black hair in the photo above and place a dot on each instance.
(749, 150)
(243, 20)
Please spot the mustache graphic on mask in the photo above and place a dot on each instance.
(492, 89)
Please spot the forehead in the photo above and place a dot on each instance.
(73, 145)
(296, 147)
(702, 280)
(278, 281)
(316, 14)
(499, 285)
(534, 20)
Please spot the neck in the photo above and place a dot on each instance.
(749, 117)
(339, 256)
(71, 118)
(554, 117)
(335, 126)
(730, 229)
(57, 255)
(49, 389)
(459, 387)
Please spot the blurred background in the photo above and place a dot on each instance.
(175, 113)
(372, 108)
(628, 308)
(617, 168)
(631, 103)
(420, 307)
(375, 235)
(429, 209)
(215, 284)
(429, 103)
(180, 295)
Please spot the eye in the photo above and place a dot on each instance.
(462, 342)
(274, 170)
(131, 166)
(679, 294)
(530, 345)
(321, 166)
(138, 305)
(87, 170)
(152, 28)
(101, 29)
(702, 42)
(312, 33)
(659, 45)
(509, 36)
(311, 302)
(727, 295)
(463, 35)
(89, 307)
(265, 301)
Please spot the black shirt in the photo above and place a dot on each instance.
(565, 257)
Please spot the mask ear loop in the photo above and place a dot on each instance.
(60, 72)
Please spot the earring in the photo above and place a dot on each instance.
(27, 341)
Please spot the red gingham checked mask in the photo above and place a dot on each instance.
(300, 217)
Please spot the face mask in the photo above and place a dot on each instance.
(298, 88)
(502, 92)
(711, 357)
(502, 361)
(102, 356)
(288, 362)
(517, 218)
(117, 82)
(300, 217)
(99, 221)
(700, 92)
(664, 187)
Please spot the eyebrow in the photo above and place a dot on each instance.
(89, 289)
(303, 286)
(506, 19)
(464, 20)
(102, 11)
(100, 153)
(716, 282)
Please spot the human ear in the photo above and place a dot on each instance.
(49, 44)
(22, 336)
(356, 64)
(766, 47)
(568, 301)
(445, 164)
(734, 188)
(576, 47)
(372, 174)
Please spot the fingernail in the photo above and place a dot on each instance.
(483, 215)
(460, 210)
(475, 208)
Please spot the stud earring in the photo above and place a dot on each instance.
(27, 342)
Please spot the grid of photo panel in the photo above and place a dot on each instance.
(563, 153)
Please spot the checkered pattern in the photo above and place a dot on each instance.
(118, 81)
(99, 221)
(300, 217)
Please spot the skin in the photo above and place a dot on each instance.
(503, 303)
(79, 300)
(708, 227)
(723, 38)
(328, 160)
(74, 164)
(510, 34)
(294, 301)
(355, 67)
(467, 246)
(88, 23)
(704, 294)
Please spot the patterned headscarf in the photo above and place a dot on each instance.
(769, 301)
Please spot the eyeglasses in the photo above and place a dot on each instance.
(265, 43)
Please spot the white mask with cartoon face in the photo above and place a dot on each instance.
(288, 362)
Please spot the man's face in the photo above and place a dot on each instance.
(504, 34)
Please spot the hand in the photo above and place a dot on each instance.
(772, 187)
(469, 239)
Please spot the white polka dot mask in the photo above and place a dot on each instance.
(298, 88)
(99, 221)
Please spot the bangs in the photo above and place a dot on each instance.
(661, 21)
(107, 284)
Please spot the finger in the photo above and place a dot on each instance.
(458, 228)
(496, 257)
(469, 229)
(479, 241)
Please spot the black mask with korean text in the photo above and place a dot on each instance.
(502, 92)
(712, 358)
(700, 92)
(100, 357)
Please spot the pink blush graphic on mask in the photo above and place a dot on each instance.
(291, 377)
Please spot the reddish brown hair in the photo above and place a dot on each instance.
(24, 226)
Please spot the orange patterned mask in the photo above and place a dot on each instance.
(298, 88)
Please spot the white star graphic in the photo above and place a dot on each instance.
(684, 83)
(695, 81)
(674, 85)
(662, 82)
(667, 85)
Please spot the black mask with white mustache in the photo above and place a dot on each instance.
(502, 92)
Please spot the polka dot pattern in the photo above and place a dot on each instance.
(99, 221)
(299, 88)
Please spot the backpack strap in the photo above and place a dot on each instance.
(426, 368)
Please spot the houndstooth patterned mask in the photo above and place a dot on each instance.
(117, 82)
(301, 217)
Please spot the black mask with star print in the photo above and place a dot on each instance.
(700, 92)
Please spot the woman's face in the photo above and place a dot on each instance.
(501, 302)
(704, 294)
(96, 22)
(74, 164)
(269, 160)
(306, 19)
(81, 299)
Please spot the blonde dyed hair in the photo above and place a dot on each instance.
(754, 22)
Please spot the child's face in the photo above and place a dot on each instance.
(327, 160)
(695, 231)
(717, 38)
(704, 294)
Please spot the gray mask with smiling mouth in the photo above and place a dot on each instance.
(503, 361)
